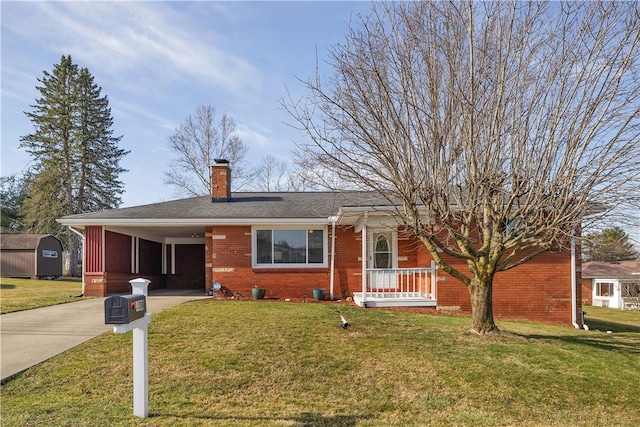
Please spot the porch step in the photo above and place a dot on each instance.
(408, 301)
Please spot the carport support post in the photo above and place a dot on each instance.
(140, 357)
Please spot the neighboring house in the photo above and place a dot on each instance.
(30, 255)
(289, 243)
(611, 285)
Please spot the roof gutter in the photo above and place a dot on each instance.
(176, 222)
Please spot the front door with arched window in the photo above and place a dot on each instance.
(383, 259)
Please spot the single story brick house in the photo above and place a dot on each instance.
(612, 285)
(290, 243)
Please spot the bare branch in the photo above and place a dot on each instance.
(199, 140)
(514, 126)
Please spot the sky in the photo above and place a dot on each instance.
(158, 61)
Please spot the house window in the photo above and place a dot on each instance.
(289, 247)
(604, 289)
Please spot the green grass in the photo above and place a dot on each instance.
(609, 319)
(221, 363)
(25, 294)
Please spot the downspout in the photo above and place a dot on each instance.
(574, 296)
(333, 220)
(364, 259)
(83, 260)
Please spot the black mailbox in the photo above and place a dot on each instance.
(123, 309)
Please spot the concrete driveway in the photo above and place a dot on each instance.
(33, 336)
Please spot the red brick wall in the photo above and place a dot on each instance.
(228, 261)
(104, 284)
(348, 265)
(587, 291)
(221, 181)
(539, 290)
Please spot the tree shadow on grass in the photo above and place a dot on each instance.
(308, 419)
(305, 419)
(604, 326)
(4, 286)
(621, 339)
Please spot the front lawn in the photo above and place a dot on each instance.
(25, 294)
(246, 363)
(611, 319)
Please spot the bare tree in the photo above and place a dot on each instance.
(276, 175)
(196, 143)
(494, 127)
(271, 175)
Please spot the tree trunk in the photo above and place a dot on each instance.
(74, 246)
(482, 306)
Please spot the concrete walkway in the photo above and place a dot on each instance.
(33, 336)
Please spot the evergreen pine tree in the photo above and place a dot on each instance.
(75, 155)
(610, 245)
(12, 194)
(98, 152)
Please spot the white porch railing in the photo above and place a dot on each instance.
(400, 283)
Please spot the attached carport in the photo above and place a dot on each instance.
(170, 254)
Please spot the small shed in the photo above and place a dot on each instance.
(612, 285)
(30, 255)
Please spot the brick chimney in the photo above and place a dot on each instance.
(220, 181)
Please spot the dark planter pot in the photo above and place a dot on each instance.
(258, 293)
(318, 294)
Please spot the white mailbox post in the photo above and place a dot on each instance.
(140, 352)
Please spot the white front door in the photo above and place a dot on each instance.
(382, 256)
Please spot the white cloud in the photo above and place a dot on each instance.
(17, 84)
(254, 138)
(126, 38)
(140, 114)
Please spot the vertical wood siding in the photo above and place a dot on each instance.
(118, 252)
(93, 249)
(150, 257)
(49, 266)
(189, 259)
(18, 263)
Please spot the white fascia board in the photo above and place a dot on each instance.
(188, 221)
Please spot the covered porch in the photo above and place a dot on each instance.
(392, 273)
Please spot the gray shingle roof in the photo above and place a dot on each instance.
(20, 241)
(593, 269)
(277, 205)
